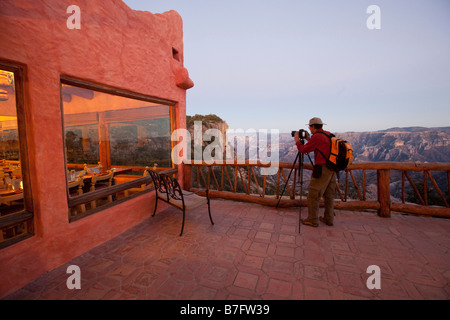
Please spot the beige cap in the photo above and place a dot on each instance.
(315, 121)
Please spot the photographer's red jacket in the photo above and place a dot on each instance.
(317, 142)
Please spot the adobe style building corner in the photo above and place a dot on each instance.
(104, 47)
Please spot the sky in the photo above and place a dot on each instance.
(274, 64)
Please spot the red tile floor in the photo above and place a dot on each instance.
(256, 252)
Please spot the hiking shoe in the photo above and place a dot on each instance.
(322, 219)
(309, 223)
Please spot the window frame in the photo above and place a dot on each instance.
(67, 80)
(27, 213)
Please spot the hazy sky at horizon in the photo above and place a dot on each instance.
(266, 64)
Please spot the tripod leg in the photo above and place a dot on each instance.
(301, 193)
(293, 165)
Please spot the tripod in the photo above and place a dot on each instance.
(300, 158)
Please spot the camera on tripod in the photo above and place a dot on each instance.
(302, 134)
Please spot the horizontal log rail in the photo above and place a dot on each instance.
(98, 194)
(239, 181)
(102, 193)
(24, 216)
(90, 196)
(15, 219)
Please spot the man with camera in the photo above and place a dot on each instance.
(323, 180)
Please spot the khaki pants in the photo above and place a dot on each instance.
(325, 187)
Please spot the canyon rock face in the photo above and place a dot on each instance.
(414, 144)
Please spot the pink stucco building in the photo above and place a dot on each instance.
(105, 96)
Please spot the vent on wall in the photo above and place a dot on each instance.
(175, 54)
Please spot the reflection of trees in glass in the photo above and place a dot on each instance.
(123, 142)
(141, 143)
(82, 144)
(9, 145)
(73, 145)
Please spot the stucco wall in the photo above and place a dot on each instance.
(116, 46)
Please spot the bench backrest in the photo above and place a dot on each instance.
(167, 185)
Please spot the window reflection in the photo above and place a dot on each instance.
(115, 130)
(111, 132)
(141, 143)
(11, 185)
(82, 144)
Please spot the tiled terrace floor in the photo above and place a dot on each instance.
(256, 252)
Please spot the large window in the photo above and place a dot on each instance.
(16, 218)
(109, 130)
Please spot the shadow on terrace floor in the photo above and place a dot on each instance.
(256, 252)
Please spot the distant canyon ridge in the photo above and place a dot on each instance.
(411, 144)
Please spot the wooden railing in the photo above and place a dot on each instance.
(23, 220)
(88, 197)
(240, 181)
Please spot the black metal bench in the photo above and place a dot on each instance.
(168, 190)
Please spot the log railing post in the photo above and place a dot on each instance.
(187, 176)
(384, 192)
